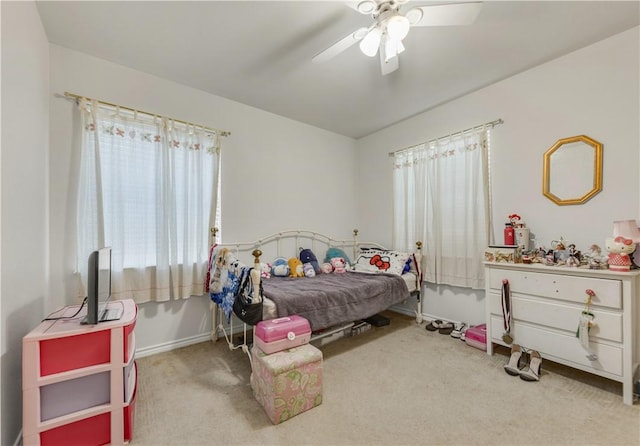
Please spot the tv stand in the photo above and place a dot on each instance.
(79, 381)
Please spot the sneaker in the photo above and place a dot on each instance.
(459, 330)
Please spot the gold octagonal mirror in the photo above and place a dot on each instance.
(572, 170)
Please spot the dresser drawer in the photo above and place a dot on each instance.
(563, 348)
(555, 286)
(559, 315)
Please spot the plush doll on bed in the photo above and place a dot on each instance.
(307, 256)
(308, 269)
(336, 252)
(295, 267)
(265, 270)
(338, 264)
(280, 267)
(326, 268)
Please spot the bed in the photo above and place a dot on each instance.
(331, 302)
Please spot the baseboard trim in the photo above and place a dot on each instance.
(168, 346)
(403, 310)
(203, 337)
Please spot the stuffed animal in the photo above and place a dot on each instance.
(308, 269)
(265, 270)
(295, 267)
(336, 252)
(619, 249)
(280, 267)
(326, 268)
(338, 264)
(307, 256)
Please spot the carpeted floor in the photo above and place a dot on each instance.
(394, 385)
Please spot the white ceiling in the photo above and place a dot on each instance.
(259, 52)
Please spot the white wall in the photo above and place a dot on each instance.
(24, 211)
(593, 91)
(276, 174)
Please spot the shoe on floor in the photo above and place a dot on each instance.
(446, 328)
(457, 332)
(514, 366)
(434, 325)
(532, 372)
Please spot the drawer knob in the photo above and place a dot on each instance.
(590, 293)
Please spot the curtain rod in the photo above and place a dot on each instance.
(491, 124)
(77, 97)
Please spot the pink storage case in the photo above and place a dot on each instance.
(477, 336)
(279, 334)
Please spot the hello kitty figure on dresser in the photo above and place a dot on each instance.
(619, 249)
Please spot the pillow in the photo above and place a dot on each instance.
(336, 252)
(381, 260)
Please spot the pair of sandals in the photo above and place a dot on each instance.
(528, 372)
(440, 326)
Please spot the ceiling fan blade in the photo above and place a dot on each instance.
(444, 15)
(340, 45)
(389, 66)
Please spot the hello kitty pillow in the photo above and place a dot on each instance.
(374, 260)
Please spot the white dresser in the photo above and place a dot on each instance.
(546, 306)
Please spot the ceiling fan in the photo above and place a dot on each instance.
(391, 26)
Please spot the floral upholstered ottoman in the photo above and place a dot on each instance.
(288, 382)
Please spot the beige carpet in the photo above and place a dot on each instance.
(396, 385)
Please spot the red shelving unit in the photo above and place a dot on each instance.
(79, 382)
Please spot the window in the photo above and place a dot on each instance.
(441, 197)
(148, 189)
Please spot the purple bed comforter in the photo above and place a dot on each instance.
(330, 299)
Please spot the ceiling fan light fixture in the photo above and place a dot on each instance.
(369, 45)
(397, 27)
(392, 48)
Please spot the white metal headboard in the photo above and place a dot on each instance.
(288, 243)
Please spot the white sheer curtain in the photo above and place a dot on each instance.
(441, 196)
(147, 189)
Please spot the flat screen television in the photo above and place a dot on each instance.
(98, 286)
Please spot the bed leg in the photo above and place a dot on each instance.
(419, 282)
(418, 309)
(214, 322)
